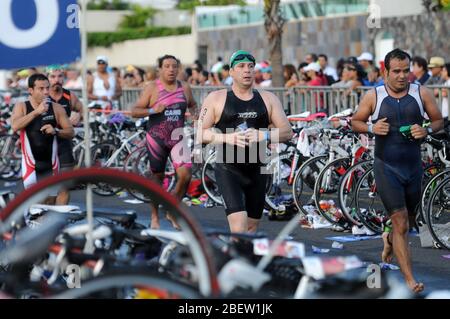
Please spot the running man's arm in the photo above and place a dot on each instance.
(19, 118)
(283, 129)
(433, 112)
(206, 122)
(360, 118)
(63, 121)
(142, 106)
(77, 109)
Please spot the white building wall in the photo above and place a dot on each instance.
(145, 52)
(104, 20)
(398, 8)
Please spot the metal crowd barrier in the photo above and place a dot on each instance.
(294, 100)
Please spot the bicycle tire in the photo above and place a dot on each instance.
(316, 164)
(337, 168)
(348, 188)
(443, 192)
(198, 244)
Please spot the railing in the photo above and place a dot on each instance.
(294, 100)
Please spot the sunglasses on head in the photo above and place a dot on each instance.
(350, 69)
(241, 57)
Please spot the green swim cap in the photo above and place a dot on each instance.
(241, 56)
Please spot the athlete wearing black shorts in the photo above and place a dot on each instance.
(237, 122)
(73, 107)
(398, 165)
(39, 122)
(165, 102)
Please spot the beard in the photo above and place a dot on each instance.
(57, 87)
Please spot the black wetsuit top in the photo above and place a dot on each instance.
(41, 144)
(242, 185)
(398, 165)
(235, 112)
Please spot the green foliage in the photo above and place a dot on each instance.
(105, 39)
(108, 5)
(191, 4)
(138, 18)
(436, 5)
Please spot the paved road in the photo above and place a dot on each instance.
(429, 264)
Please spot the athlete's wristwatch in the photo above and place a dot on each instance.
(370, 128)
(429, 130)
(56, 131)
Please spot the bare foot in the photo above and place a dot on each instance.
(173, 221)
(386, 255)
(416, 287)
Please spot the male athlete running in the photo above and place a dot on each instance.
(165, 102)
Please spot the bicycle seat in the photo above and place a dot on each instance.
(344, 113)
(315, 116)
(57, 208)
(31, 244)
(300, 115)
(119, 217)
(166, 235)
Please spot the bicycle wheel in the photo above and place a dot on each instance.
(138, 162)
(438, 213)
(369, 207)
(209, 179)
(326, 188)
(347, 190)
(10, 157)
(195, 241)
(305, 180)
(430, 185)
(131, 285)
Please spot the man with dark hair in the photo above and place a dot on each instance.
(420, 70)
(249, 112)
(310, 58)
(165, 101)
(327, 70)
(225, 72)
(40, 122)
(398, 164)
(73, 108)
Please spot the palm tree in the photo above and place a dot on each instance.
(273, 24)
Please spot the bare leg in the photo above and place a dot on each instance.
(63, 197)
(253, 225)
(154, 221)
(400, 228)
(183, 180)
(387, 254)
(238, 222)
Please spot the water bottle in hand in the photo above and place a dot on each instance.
(242, 127)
